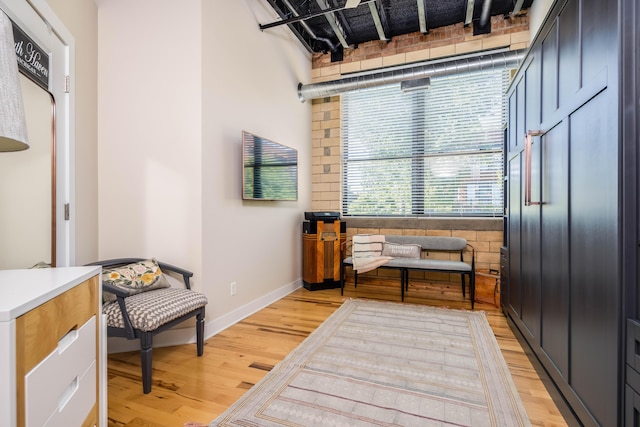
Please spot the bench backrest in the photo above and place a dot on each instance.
(433, 243)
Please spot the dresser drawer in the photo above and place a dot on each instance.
(38, 331)
(75, 405)
(67, 322)
(50, 385)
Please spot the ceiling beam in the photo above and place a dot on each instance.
(422, 17)
(304, 40)
(335, 26)
(296, 14)
(469, 17)
(517, 7)
(377, 21)
(325, 11)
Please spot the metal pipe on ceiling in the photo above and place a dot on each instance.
(509, 59)
(485, 16)
(334, 24)
(308, 29)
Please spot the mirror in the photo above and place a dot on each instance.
(27, 183)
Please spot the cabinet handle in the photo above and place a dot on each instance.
(68, 339)
(528, 141)
(68, 393)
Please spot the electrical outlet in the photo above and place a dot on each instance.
(234, 288)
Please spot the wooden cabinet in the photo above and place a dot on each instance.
(51, 333)
(566, 272)
(322, 243)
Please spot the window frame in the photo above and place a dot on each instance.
(420, 156)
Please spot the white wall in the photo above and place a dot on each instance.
(149, 109)
(249, 83)
(178, 82)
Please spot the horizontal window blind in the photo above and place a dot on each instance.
(433, 152)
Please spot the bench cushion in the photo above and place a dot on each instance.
(429, 264)
(150, 310)
(423, 264)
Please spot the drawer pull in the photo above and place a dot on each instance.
(68, 394)
(67, 340)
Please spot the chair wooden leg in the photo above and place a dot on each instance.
(146, 352)
(200, 332)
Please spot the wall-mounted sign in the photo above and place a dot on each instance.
(33, 61)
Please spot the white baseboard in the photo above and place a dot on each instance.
(179, 336)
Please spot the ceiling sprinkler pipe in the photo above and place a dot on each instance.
(510, 59)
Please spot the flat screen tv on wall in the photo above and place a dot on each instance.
(270, 170)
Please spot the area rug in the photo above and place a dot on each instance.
(387, 364)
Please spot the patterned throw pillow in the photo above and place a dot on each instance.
(134, 278)
(398, 250)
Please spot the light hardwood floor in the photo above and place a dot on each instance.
(194, 389)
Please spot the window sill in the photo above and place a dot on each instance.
(478, 224)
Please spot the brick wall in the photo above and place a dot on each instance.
(326, 152)
(512, 33)
(453, 40)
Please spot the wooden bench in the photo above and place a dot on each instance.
(427, 244)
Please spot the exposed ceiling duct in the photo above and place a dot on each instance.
(509, 59)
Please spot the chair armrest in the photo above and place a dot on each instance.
(473, 257)
(120, 297)
(186, 274)
(344, 246)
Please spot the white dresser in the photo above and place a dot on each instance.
(51, 347)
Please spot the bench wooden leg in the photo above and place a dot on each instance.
(464, 285)
(472, 287)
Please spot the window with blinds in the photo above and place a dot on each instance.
(431, 152)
